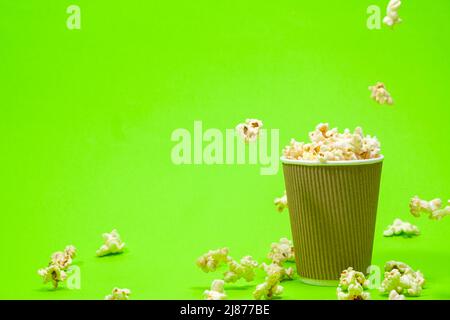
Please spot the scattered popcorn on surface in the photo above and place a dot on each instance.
(329, 145)
(281, 203)
(119, 294)
(212, 259)
(59, 266)
(392, 17)
(393, 295)
(380, 94)
(243, 269)
(399, 227)
(402, 278)
(271, 286)
(217, 291)
(351, 286)
(281, 251)
(432, 208)
(113, 244)
(249, 131)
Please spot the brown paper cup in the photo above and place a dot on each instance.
(332, 208)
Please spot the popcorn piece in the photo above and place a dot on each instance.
(245, 269)
(217, 291)
(393, 295)
(119, 294)
(59, 266)
(439, 214)
(54, 274)
(211, 260)
(281, 203)
(64, 258)
(432, 208)
(113, 244)
(353, 292)
(271, 286)
(399, 227)
(380, 94)
(281, 251)
(392, 17)
(351, 286)
(417, 205)
(249, 131)
(329, 145)
(402, 278)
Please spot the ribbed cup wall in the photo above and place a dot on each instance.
(332, 212)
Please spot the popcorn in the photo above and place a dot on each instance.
(245, 269)
(59, 266)
(54, 274)
(119, 294)
(392, 17)
(281, 251)
(217, 291)
(433, 208)
(249, 131)
(271, 286)
(281, 203)
(399, 227)
(353, 292)
(64, 258)
(402, 278)
(211, 260)
(439, 214)
(380, 94)
(393, 295)
(329, 145)
(351, 286)
(113, 244)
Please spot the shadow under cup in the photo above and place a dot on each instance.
(332, 209)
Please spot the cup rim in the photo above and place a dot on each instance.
(317, 163)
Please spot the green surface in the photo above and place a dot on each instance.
(87, 115)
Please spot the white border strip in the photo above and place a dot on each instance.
(331, 163)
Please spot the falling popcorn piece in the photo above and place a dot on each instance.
(217, 291)
(244, 269)
(352, 285)
(392, 17)
(329, 145)
(281, 203)
(59, 266)
(432, 208)
(402, 278)
(380, 94)
(393, 295)
(113, 244)
(211, 260)
(119, 294)
(271, 286)
(399, 227)
(281, 251)
(249, 131)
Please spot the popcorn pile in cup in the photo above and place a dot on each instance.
(328, 144)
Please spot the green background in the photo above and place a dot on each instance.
(87, 115)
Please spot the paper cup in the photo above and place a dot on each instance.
(332, 209)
